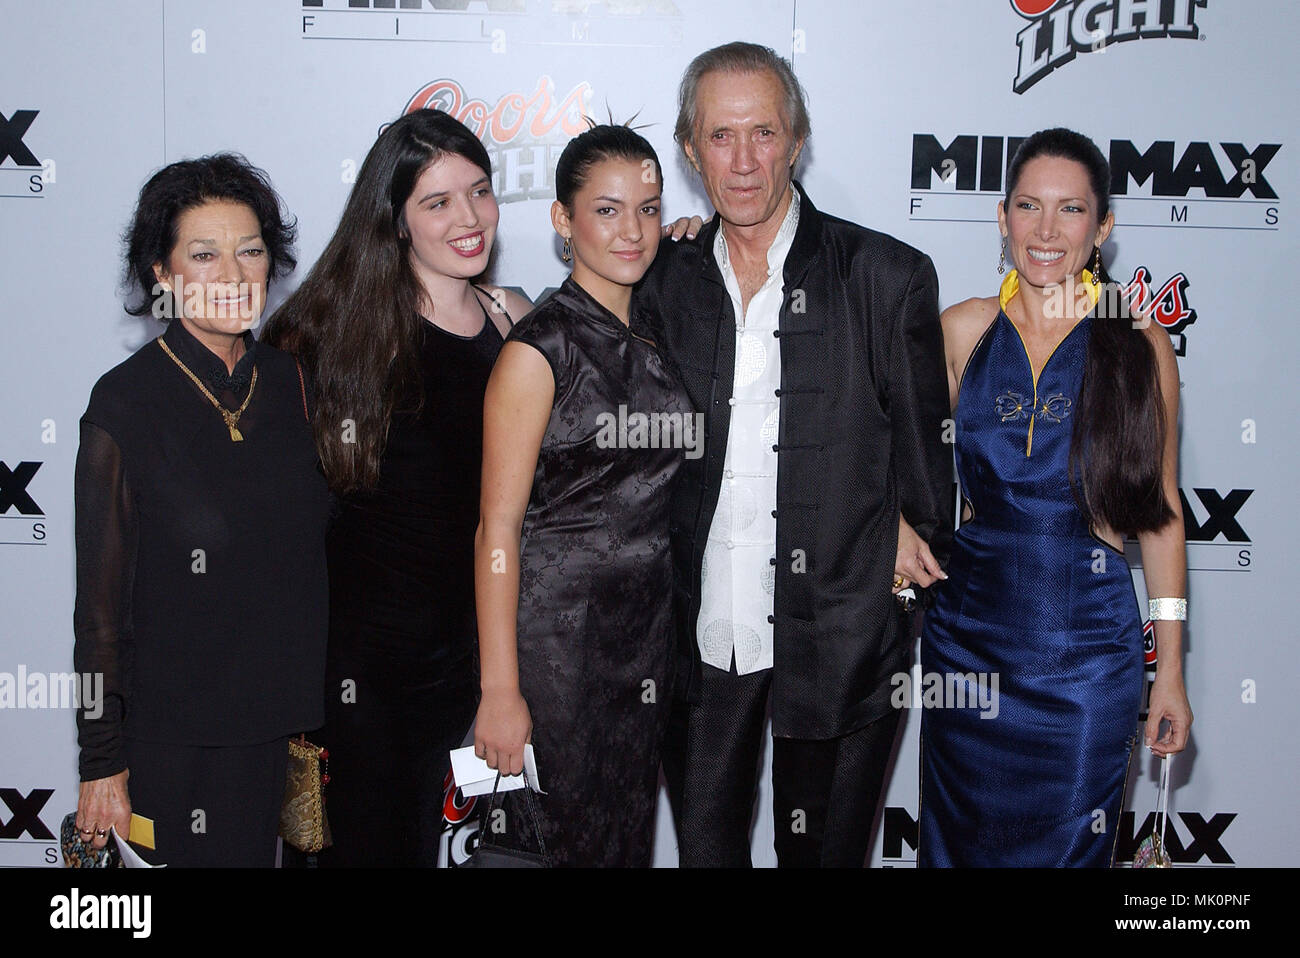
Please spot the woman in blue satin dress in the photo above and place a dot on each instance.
(1066, 440)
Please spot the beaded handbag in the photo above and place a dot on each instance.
(79, 854)
(1152, 852)
(302, 815)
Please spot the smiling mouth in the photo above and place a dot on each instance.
(1045, 256)
(468, 245)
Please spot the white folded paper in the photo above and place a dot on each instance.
(473, 777)
(130, 858)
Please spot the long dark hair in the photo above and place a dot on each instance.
(1117, 445)
(354, 321)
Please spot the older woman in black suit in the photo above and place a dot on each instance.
(201, 516)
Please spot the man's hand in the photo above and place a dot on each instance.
(915, 562)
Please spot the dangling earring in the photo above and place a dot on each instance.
(566, 254)
(1096, 267)
(1002, 257)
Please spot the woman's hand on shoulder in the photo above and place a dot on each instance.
(501, 729)
(963, 325)
(688, 226)
(103, 803)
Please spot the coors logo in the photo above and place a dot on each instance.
(1059, 30)
(524, 132)
(1148, 668)
(1166, 304)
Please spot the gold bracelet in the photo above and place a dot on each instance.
(1158, 609)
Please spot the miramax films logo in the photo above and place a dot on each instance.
(1059, 30)
(1195, 177)
(524, 132)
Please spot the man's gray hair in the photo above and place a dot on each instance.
(740, 57)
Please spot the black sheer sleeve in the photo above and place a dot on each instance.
(106, 551)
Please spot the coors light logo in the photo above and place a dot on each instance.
(1168, 304)
(524, 132)
(1059, 30)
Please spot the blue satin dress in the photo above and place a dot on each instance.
(1033, 774)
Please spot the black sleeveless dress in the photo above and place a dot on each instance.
(401, 677)
(595, 632)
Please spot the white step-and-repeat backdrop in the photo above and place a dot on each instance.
(916, 108)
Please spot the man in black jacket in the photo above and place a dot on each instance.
(813, 348)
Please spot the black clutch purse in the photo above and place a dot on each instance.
(488, 854)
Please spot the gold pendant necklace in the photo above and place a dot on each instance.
(231, 418)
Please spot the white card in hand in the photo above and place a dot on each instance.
(473, 777)
(130, 858)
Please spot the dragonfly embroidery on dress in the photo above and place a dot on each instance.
(1011, 406)
(1054, 408)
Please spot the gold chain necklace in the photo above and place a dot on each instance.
(231, 418)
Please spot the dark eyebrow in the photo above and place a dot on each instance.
(1064, 199)
(479, 182)
(620, 202)
(242, 239)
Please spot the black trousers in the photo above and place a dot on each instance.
(211, 806)
(825, 792)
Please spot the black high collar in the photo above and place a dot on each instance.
(204, 363)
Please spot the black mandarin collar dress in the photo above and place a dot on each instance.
(595, 630)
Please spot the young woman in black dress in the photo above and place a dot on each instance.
(572, 565)
(399, 341)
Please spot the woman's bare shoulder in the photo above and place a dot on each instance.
(507, 301)
(967, 320)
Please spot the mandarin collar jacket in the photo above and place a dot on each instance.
(863, 400)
